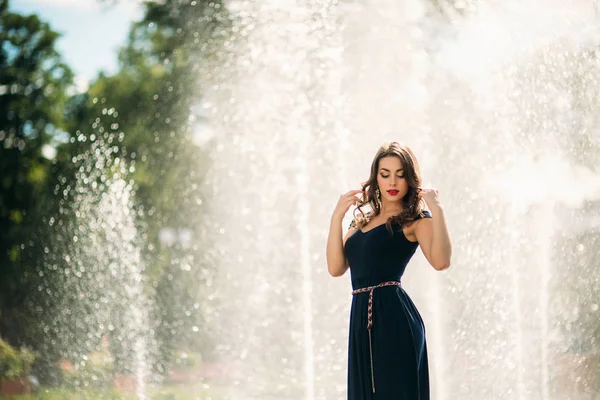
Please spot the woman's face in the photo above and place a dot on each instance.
(390, 178)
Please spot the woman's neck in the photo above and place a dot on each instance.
(391, 209)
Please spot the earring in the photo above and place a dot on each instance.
(378, 196)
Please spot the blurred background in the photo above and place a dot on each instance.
(168, 170)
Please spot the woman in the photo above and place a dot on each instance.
(387, 353)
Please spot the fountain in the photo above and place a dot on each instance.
(96, 314)
(497, 99)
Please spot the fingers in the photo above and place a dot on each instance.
(347, 200)
(353, 192)
(351, 196)
(352, 200)
(429, 193)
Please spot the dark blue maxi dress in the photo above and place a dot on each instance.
(387, 358)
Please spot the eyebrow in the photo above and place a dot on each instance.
(385, 169)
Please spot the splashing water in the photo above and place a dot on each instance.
(101, 324)
(498, 102)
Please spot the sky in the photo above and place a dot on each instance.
(92, 31)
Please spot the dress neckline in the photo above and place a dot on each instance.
(375, 227)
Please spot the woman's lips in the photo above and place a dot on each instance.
(393, 192)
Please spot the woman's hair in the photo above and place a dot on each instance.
(410, 202)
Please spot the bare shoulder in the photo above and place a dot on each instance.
(424, 220)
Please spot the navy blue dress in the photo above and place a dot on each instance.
(387, 358)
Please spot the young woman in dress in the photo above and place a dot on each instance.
(387, 352)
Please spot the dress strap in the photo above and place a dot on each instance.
(423, 214)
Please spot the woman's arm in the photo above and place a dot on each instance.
(336, 259)
(432, 233)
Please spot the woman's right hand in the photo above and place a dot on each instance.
(344, 203)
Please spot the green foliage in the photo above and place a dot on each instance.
(142, 117)
(73, 394)
(14, 363)
(153, 95)
(168, 392)
(34, 84)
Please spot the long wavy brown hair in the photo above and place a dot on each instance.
(412, 206)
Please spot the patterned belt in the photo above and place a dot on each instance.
(370, 318)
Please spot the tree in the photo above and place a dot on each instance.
(33, 90)
(145, 109)
(141, 116)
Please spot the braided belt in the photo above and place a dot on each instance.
(370, 289)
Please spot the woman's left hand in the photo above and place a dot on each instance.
(431, 197)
